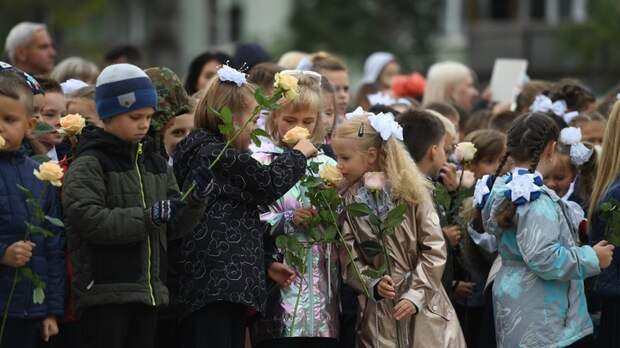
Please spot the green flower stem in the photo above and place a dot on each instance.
(349, 253)
(8, 304)
(301, 285)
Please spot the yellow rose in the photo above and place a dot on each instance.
(2, 142)
(286, 83)
(465, 151)
(331, 174)
(72, 124)
(294, 135)
(50, 171)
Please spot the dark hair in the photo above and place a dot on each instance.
(375, 109)
(527, 138)
(132, 53)
(49, 85)
(445, 109)
(489, 144)
(262, 75)
(528, 94)
(195, 68)
(586, 173)
(421, 130)
(361, 97)
(478, 120)
(247, 55)
(574, 93)
(502, 121)
(12, 85)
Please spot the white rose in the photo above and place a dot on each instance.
(465, 151)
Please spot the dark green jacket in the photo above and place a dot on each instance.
(118, 253)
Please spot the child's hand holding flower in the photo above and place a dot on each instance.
(50, 171)
(72, 124)
(465, 152)
(331, 174)
(294, 135)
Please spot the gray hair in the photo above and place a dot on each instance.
(75, 68)
(20, 35)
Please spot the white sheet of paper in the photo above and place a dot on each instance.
(508, 75)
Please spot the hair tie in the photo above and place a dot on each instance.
(579, 153)
(542, 103)
(380, 98)
(228, 74)
(483, 189)
(314, 75)
(523, 186)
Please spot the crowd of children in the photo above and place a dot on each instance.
(166, 230)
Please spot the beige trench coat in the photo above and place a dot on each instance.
(419, 258)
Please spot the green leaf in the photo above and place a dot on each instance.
(375, 273)
(34, 230)
(54, 221)
(294, 245)
(282, 241)
(442, 196)
(395, 217)
(314, 166)
(313, 182)
(314, 234)
(374, 219)
(40, 158)
(331, 232)
(261, 99)
(38, 295)
(226, 129)
(43, 128)
(371, 248)
(26, 191)
(260, 133)
(358, 209)
(256, 140)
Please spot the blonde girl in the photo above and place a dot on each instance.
(606, 189)
(313, 321)
(421, 307)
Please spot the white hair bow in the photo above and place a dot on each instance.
(386, 126)
(380, 98)
(542, 103)
(579, 153)
(228, 74)
(356, 113)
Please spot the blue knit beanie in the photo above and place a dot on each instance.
(122, 88)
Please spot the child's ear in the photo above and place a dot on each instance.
(372, 156)
(431, 153)
(31, 122)
(550, 149)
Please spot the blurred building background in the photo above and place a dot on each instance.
(559, 37)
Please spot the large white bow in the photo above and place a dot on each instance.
(357, 112)
(579, 153)
(386, 126)
(542, 103)
(228, 74)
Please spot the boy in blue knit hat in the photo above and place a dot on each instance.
(121, 206)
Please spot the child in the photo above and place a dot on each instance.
(42, 255)
(82, 102)
(606, 189)
(337, 74)
(474, 257)
(538, 294)
(287, 216)
(572, 175)
(54, 106)
(421, 307)
(120, 202)
(222, 261)
(173, 119)
(328, 109)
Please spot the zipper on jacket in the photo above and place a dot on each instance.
(148, 239)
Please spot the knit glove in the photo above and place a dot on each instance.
(207, 189)
(163, 211)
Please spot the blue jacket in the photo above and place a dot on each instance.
(538, 296)
(608, 283)
(47, 260)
